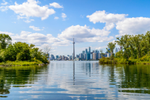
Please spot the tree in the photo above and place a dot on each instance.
(147, 35)
(5, 40)
(125, 44)
(137, 43)
(101, 52)
(18, 51)
(111, 46)
(46, 50)
(10, 53)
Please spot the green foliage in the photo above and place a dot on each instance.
(119, 54)
(5, 40)
(134, 47)
(2, 56)
(111, 46)
(145, 58)
(19, 51)
(107, 60)
(10, 53)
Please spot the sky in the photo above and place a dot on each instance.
(54, 23)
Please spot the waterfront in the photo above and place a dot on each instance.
(81, 80)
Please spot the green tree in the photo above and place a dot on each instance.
(10, 53)
(125, 44)
(137, 43)
(111, 46)
(101, 52)
(18, 51)
(5, 40)
(147, 35)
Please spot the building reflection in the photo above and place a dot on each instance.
(73, 72)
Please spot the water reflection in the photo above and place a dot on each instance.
(135, 79)
(73, 72)
(17, 77)
(76, 80)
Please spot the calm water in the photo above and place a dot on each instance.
(84, 80)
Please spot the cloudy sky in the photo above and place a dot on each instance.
(54, 23)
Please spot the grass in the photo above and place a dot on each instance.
(123, 61)
(20, 63)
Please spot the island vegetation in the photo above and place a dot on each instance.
(135, 49)
(20, 53)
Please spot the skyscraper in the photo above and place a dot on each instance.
(89, 54)
(89, 49)
(86, 51)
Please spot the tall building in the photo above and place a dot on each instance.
(97, 52)
(94, 56)
(99, 55)
(57, 57)
(60, 57)
(87, 56)
(91, 56)
(86, 51)
(89, 49)
(52, 57)
(84, 56)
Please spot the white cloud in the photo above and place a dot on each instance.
(55, 5)
(28, 20)
(4, 3)
(109, 26)
(84, 34)
(35, 28)
(9, 33)
(56, 17)
(109, 18)
(38, 39)
(80, 33)
(98, 48)
(63, 15)
(31, 9)
(4, 7)
(135, 25)
(103, 17)
(34, 38)
(138, 25)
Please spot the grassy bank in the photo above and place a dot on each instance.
(124, 61)
(20, 63)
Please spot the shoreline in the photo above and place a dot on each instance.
(21, 63)
(123, 61)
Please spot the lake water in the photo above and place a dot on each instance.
(82, 80)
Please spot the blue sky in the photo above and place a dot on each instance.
(54, 23)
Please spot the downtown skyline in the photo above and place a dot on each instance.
(56, 22)
(86, 54)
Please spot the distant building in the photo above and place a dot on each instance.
(85, 55)
(86, 51)
(70, 57)
(57, 57)
(94, 56)
(52, 57)
(99, 56)
(91, 56)
(108, 54)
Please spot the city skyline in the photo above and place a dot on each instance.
(86, 54)
(54, 23)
